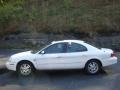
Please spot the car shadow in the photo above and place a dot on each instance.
(4, 70)
(47, 77)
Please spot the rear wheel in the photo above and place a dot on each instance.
(93, 67)
(25, 69)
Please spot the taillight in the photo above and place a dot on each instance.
(113, 54)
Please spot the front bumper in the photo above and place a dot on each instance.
(11, 65)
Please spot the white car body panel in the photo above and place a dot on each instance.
(73, 60)
(60, 61)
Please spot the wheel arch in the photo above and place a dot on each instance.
(94, 60)
(25, 61)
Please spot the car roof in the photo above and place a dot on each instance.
(77, 41)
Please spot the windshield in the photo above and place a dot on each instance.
(34, 51)
(38, 49)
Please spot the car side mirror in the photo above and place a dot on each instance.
(42, 52)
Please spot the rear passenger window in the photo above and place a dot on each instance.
(74, 47)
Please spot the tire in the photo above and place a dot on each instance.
(93, 67)
(25, 69)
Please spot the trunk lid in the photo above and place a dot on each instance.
(107, 50)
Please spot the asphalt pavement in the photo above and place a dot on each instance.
(108, 79)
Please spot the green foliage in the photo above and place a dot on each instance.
(59, 16)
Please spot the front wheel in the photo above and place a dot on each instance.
(92, 67)
(25, 69)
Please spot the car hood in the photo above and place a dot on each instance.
(17, 55)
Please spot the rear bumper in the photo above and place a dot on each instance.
(11, 66)
(110, 61)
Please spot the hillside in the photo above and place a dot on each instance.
(59, 16)
(33, 20)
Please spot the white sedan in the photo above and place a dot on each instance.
(65, 54)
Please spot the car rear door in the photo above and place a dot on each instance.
(75, 56)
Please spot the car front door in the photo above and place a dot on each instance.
(51, 57)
